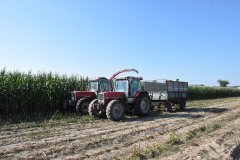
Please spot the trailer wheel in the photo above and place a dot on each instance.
(182, 105)
(115, 110)
(82, 106)
(168, 107)
(93, 112)
(142, 106)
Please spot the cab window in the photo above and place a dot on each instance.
(134, 87)
(104, 86)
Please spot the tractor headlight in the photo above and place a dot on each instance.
(101, 98)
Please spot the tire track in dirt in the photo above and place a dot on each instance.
(61, 129)
(122, 137)
(219, 144)
(26, 130)
(65, 131)
(116, 137)
(25, 127)
(85, 134)
(115, 129)
(116, 150)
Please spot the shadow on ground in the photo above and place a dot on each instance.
(187, 113)
(40, 117)
(33, 117)
(210, 110)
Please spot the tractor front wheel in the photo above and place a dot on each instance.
(82, 106)
(115, 110)
(94, 112)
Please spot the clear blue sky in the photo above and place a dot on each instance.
(193, 40)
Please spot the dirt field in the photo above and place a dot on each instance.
(207, 129)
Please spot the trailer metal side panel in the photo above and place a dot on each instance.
(177, 90)
(170, 90)
(154, 86)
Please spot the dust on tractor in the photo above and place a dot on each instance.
(130, 95)
(80, 100)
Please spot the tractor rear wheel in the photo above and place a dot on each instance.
(115, 110)
(93, 112)
(142, 105)
(82, 106)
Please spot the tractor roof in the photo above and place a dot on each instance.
(98, 78)
(129, 77)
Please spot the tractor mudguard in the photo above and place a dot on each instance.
(138, 94)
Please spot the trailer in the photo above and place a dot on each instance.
(168, 93)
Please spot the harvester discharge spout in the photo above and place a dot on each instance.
(121, 71)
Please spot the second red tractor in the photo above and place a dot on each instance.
(126, 96)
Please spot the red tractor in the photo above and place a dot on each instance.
(130, 95)
(127, 96)
(80, 100)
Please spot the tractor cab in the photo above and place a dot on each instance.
(100, 84)
(129, 85)
(95, 86)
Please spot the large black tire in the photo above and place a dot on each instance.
(115, 110)
(66, 107)
(168, 107)
(93, 112)
(82, 106)
(142, 105)
(182, 105)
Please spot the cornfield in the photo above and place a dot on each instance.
(197, 93)
(45, 92)
(42, 92)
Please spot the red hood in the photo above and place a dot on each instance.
(80, 94)
(114, 94)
